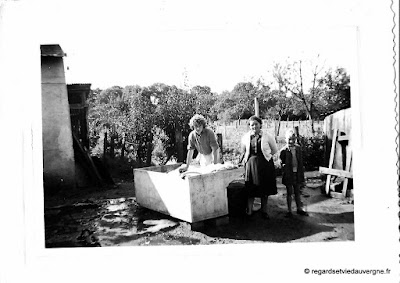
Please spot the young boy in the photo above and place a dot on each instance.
(292, 172)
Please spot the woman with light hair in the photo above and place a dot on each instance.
(258, 149)
(203, 140)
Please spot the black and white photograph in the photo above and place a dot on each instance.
(158, 164)
(161, 140)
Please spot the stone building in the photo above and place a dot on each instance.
(58, 152)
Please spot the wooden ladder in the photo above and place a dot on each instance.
(347, 173)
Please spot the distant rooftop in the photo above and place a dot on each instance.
(78, 86)
(53, 50)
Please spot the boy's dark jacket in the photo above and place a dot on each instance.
(287, 169)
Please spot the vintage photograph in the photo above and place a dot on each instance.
(196, 135)
(220, 141)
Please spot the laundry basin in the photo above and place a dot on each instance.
(196, 197)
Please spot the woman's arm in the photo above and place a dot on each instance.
(189, 158)
(215, 154)
(282, 157)
(242, 151)
(272, 144)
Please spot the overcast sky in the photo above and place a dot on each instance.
(217, 44)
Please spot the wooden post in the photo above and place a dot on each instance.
(112, 141)
(348, 168)
(219, 141)
(123, 147)
(256, 107)
(105, 145)
(331, 158)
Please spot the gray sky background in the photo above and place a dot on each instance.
(217, 44)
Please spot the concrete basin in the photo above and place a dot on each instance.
(195, 198)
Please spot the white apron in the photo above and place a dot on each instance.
(205, 160)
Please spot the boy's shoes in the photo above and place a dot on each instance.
(302, 212)
(288, 215)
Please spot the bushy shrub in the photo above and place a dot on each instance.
(313, 151)
(159, 154)
(231, 155)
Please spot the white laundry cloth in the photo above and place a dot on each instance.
(205, 160)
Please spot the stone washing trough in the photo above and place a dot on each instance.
(197, 197)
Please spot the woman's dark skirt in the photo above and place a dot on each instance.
(260, 177)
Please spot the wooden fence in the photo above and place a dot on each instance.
(232, 132)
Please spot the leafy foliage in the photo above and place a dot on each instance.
(150, 124)
(237, 104)
(336, 92)
(313, 151)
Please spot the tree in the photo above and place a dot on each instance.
(174, 109)
(141, 122)
(158, 115)
(276, 105)
(221, 105)
(107, 111)
(93, 95)
(237, 104)
(336, 92)
(291, 78)
(204, 101)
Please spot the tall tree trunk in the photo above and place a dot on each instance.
(312, 122)
(312, 127)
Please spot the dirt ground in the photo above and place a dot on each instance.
(111, 217)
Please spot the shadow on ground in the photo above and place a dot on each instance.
(278, 228)
(115, 219)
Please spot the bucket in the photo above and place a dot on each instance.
(237, 198)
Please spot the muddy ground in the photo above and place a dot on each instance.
(111, 217)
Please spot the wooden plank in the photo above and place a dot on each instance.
(92, 170)
(335, 172)
(336, 194)
(348, 169)
(331, 157)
